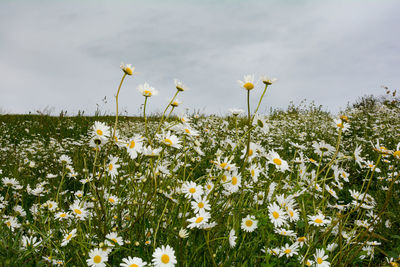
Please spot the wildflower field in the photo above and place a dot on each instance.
(297, 187)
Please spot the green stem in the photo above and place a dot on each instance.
(116, 99)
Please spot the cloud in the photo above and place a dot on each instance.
(66, 54)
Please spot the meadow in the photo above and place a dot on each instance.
(296, 187)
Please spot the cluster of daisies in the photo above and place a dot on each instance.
(195, 190)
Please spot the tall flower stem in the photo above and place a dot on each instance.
(165, 111)
(259, 102)
(116, 100)
(249, 133)
(145, 120)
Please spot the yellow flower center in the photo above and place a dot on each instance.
(248, 85)
(370, 165)
(110, 167)
(8, 223)
(62, 215)
(168, 141)
(340, 125)
(50, 205)
(396, 154)
(277, 161)
(99, 132)
(320, 260)
(77, 211)
(69, 237)
(187, 131)
(288, 250)
(132, 144)
(275, 214)
(252, 172)
(199, 220)
(250, 152)
(147, 93)
(234, 180)
(209, 187)
(249, 223)
(115, 240)
(312, 160)
(192, 190)
(97, 259)
(200, 205)
(111, 200)
(133, 265)
(165, 258)
(128, 70)
(223, 165)
(318, 220)
(301, 239)
(291, 213)
(224, 178)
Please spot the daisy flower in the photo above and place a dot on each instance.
(275, 159)
(176, 102)
(236, 111)
(198, 220)
(150, 152)
(331, 191)
(97, 258)
(249, 223)
(277, 215)
(234, 183)
(183, 233)
(232, 238)
(289, 251)
(101, 130)
(134, 146)
(192, 190)
(259, 198)
(133, 262)
(170, 140)
(248, 82)
(396, 153)
(323, 148)
(179, 86)
(164, 257)
(320, 258)
(200, 205)
(79, 212)
(113, 200)
(30, 242)
(114, 238)
(266, 80)
(64, 159)
(318, 220)
(284, 232)
(12, 223)
(146, 90)
(128, 68)
(62, 215)
(339, 124)
(68, 237)
(112, 167)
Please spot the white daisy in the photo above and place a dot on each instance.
(164, 257)
(232, 238)
(249, 223)
(146, 90)
(97, 258)
(277, 215)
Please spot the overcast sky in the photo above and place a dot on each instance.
(66, 54)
